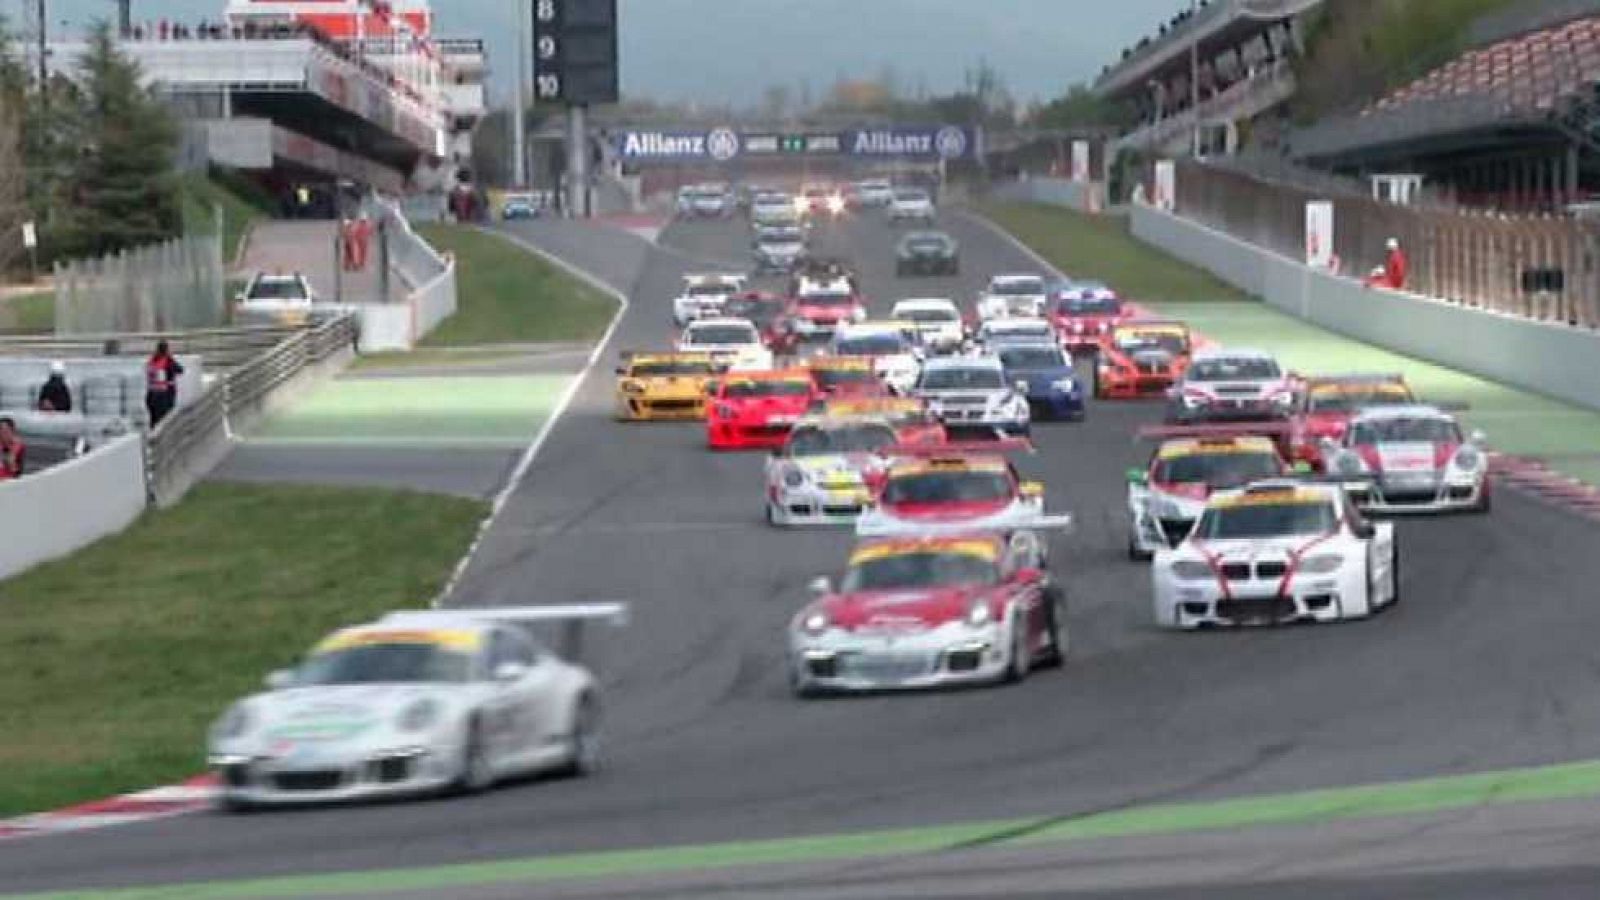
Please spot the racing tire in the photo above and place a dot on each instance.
(476, 773)
(801, 690)
(1095, 383)
(1484, 501)
(1056, 656)
(1021, 658)
(236, 806)
(583, 742)
(1394, 575)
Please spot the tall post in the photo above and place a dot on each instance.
(44, 50)
(125, 18)
(577, 162)
(1194, 77)
(519, 150)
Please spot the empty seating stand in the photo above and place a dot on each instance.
(1531, 73)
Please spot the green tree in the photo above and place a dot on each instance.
(1079, 108)
(118, 188)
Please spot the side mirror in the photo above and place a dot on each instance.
(509, 671)
(279, 680)
(1020, 386)
(820, 586)
(1138, 476)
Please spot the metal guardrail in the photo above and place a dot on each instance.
(184, 438)
(222, 348)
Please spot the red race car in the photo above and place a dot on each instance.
(909, 416)
(769, 313)
(821, 304)
(755, 410)
(1141, 358)
(846, 375)
(1325, 404)
(1084, 312)
(970, 484)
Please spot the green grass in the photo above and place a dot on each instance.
(506, 294)
(201, 195)
(114, 660)
(1100, 247)
(33, 313)
(430, 358)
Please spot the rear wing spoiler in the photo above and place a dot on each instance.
(882, 527)
(571, 619)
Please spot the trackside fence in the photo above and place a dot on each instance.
(1538, 267)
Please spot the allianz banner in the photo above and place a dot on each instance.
(928, 142)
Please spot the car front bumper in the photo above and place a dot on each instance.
(749, 435)
(1435, 497)
(817, 505)
(1305, 598)
(266, 781)
(1055, 404)
(942, 657)
(641, 408)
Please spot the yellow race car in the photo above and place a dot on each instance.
(664, 386)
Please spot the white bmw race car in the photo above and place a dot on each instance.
(414, 703)
(1275, 552)
(1013, 296)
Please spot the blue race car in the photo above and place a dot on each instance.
(1053, 389)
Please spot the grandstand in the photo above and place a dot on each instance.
(1234, 55)
(1512, 124)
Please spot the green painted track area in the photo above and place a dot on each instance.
(1516, 421)
(1571, 781)
(457, 411)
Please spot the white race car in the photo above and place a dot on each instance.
(971, 391)
(1166, 498)
(1411, 459)
(996, 333)
(938, 321)
(276, 296)
(1225, 384)
(704, 295)
(820, 477)
(892, 346)
(911, 204)
(1013, 296)
(735, 343)
(1275, 552)
(414, 703)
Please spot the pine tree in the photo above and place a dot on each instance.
(118, 188)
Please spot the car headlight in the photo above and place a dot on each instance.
(1064, 385)
(1324, 564)
(815, 623)
(794, 477)
(979, 615)
(1192, 401)
(1283, 401)
(1469, 458)
(632, 387)
(234, 723)
(1191, 570)
(836, 205)
(419, 716)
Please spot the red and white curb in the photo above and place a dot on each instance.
(156, 803)
(645, 226)
(1534, 476)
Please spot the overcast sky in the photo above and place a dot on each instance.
(729, 50)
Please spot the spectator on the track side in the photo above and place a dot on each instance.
(55, 395)
(161, 373)
(13, 452)
(1392, 274)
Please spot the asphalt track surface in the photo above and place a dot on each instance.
(1489, 661)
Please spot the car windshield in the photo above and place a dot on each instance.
(767, 388)
(762, 310)
(1013, 287)
(1032, 358)
(659, 368)
(927, 244)
(1135, 341)
(781, 236)
(885, 344)
(828, 378)
(828, 298)
(911, 196)
(1417, 430)
(958, 486)
(859, 438)
(723, 334)
(278, 289)
(1350, 398)
(1014, 332)
(953, 379)
(1089, 306)
(927, 315)
(1249, 521)
(1217, 470)
(1250, 368)
(707, 196)
(385, 664)
(925, 569)
(708, 290)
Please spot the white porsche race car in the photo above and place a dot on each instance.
(416, 702)
(1275, 552)
(1411, 459)
(735, 343)
(704, 295)
(820, 477)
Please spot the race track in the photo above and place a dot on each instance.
(1490, 660)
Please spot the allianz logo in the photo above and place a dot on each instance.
(891, 142)
(655, 143)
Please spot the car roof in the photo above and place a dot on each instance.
(1277, 492)
(465, 635)
(872, 406)
(1404, 411)
(280, 276)
(841, 363)
(984, 361)
(720, 320)
(1015, 276)
(1157, 325)
(795, 374)
(961, 461)
(713, 278)
(940, 303)
(1354, 378)
(988, 546)
(1213, 353)
(1177, 448)
(1018, 324)
(668, 356)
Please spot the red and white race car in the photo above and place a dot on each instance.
(821, 305)
(969, 484)
(1084, 312)
(930, 610)
(755, 410)
(1325, 404)
(1411, 459)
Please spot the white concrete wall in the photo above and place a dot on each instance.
(70, 506)
(1079, 195)
(1547, 358)
(435, 301)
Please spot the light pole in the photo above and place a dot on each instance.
(519, 152)
(1194, 76)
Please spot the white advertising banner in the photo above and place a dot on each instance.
(1319, 234)
(1166, 197)
(1080, 161)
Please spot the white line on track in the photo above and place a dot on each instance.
(526, 462)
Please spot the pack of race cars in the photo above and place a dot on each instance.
(1253, 507)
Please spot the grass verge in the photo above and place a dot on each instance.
(1100, 247)
(201, 195)
(33, 313)
(506, 294)
(114, 661)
